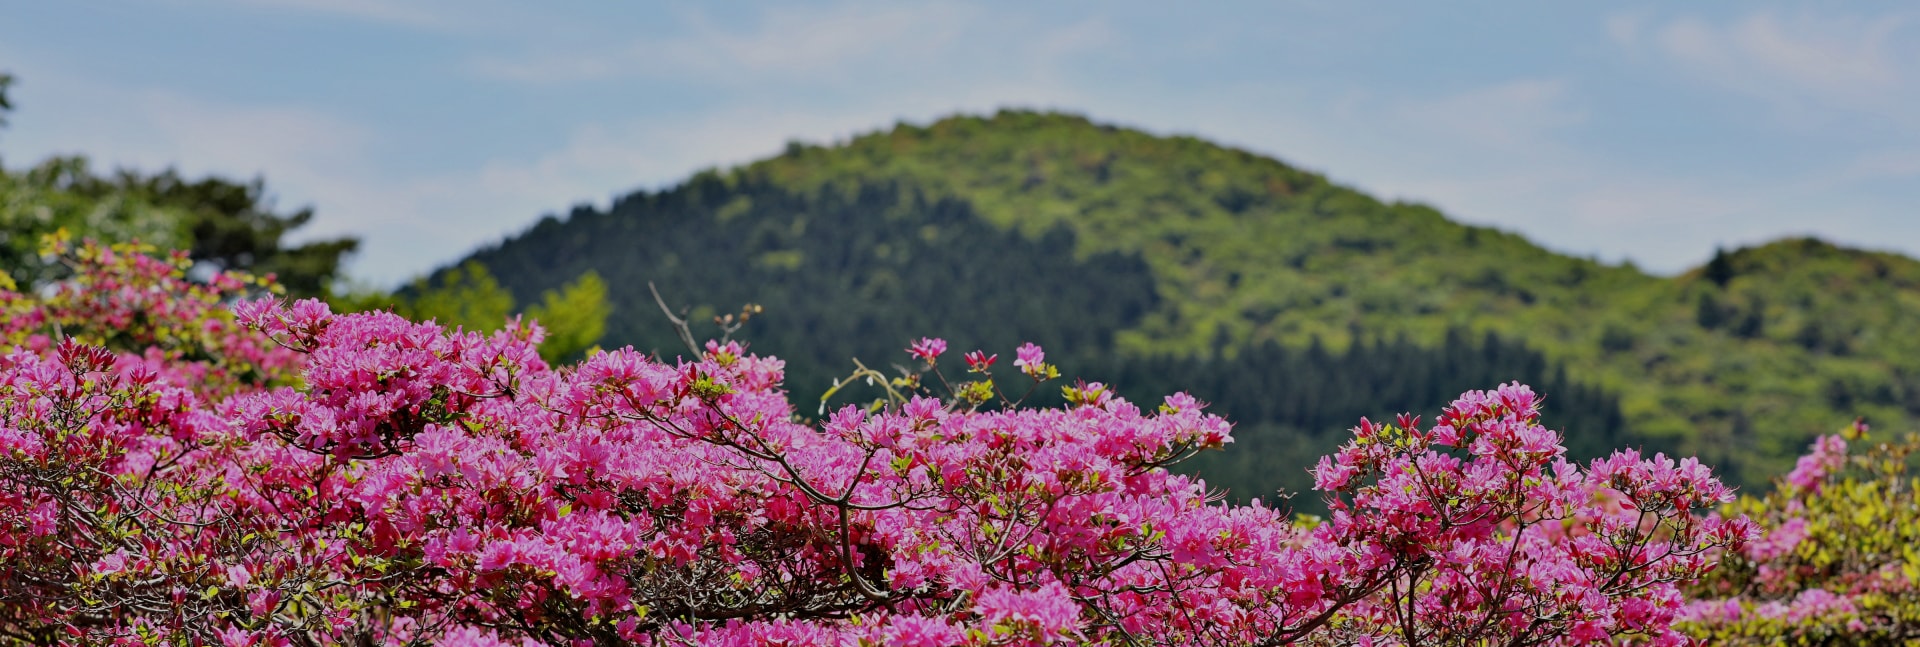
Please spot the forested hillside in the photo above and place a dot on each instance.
(1294, 304)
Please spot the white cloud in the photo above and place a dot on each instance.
(484, 18)
(1848, 82)
(412, 14)
(306, 153)
(1626, 28)
(796, 44)
(1848, 56)
(1812, 69)
(1894, 164)
(1516, 117)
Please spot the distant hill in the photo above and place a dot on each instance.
(1295, 304)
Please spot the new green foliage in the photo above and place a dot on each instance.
(467, 296)
(575, 318)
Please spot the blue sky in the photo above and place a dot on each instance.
(1647, 132)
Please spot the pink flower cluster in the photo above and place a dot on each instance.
(148, 310)
(1829, 454)
(416, 484)
(1478, 528)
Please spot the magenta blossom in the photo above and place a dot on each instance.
(928, 348)
(980, 361)
(1030, 359)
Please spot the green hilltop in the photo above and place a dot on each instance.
(1293, 303)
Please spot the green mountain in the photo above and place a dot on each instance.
(1294, 304)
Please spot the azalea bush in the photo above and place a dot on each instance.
(203, 463)
(1841, 558)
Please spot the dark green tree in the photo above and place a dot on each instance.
(233, 226)
(1719, 270)
(6, 104)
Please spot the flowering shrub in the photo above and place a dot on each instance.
(1840, 560)
(123, 298)
(413, 484)
(1477, 529)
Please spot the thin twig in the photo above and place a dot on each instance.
(679, 324)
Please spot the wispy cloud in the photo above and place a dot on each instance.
(835, 42)
(1515, 117)
(1811, 68)
(405, 14)
(150, 129)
